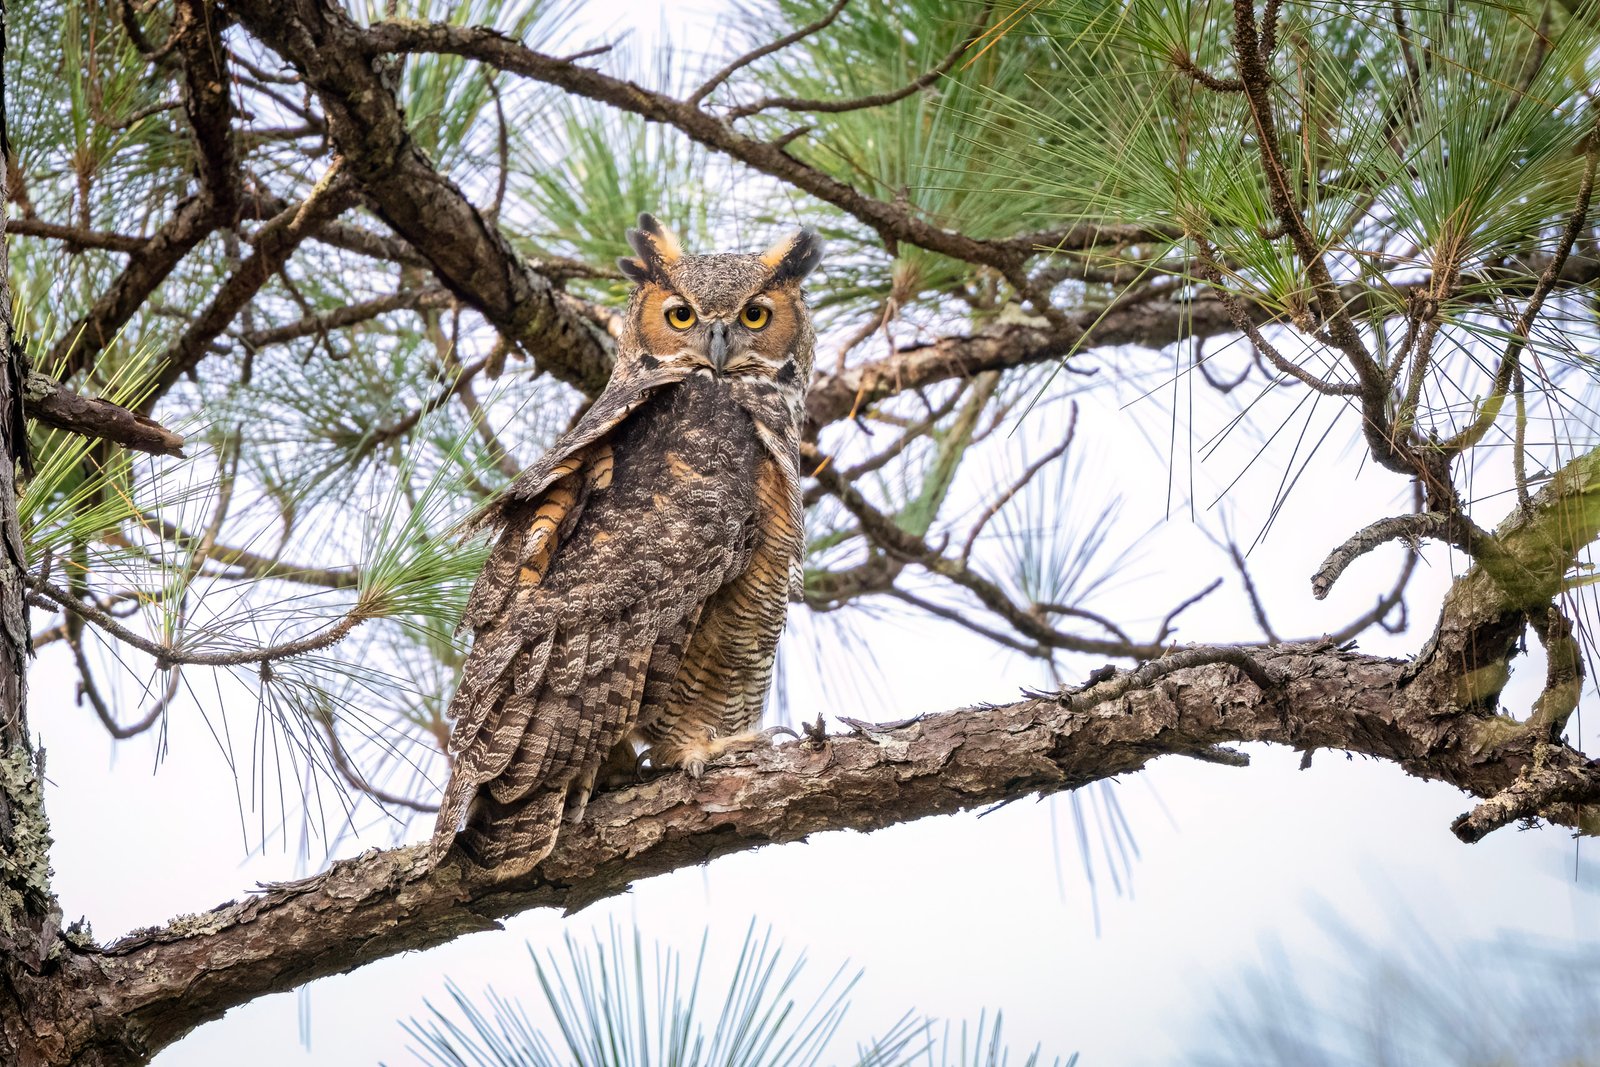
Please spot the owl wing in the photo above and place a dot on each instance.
(622, 396)
(593, 580)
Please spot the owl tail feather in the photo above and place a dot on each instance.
(509, 839)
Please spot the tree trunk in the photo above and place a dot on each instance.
(30, 919)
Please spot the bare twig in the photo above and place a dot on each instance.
(1017, 486)
(1256, 606)
(108, 719)
(348, 771)
(252, 564)
(1185, 62)
(1146, 674)
(767, 49)
(1165, 629)
(1458, 530)
(169, 656)
(861, 103)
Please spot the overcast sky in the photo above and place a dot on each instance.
(950, 915)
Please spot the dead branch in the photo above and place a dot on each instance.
(54, 404)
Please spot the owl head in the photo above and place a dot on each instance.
(738, 315)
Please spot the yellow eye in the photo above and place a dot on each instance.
(754, 316)
(680, 317)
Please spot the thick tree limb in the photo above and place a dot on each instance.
(1432, 717)
(154, 986)
(467, 251)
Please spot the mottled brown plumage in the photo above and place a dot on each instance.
(638, 588)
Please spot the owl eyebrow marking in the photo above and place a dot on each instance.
(675, 299)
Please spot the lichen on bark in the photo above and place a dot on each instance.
(25, 857)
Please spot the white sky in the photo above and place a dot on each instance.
(947, 916)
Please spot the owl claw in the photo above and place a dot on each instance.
(695, 756)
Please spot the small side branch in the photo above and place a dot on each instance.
(1017, 486)
(1211, 271)
(862, 103)
(55, 405)
(432, 296)
(1523, 328)
(1185, 62)
(1146, 674)
(167, 656)
(1456, 529)
(750, 57)
(1541, 791)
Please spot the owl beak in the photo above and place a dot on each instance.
(718, 348)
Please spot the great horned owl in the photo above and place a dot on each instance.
(644, 565)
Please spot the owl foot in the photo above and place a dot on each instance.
(695, 755)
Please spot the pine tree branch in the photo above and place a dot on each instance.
(76, 237)
(348, 315)
(55, 405)
(274, 244)
(765, 50)
(893, 222)
(156, 985)
(197, 35)
(467, 252)
(1148, 323)
(192, 222)
(872, 100)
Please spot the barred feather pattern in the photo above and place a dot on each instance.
(645, 564)
(587, 605)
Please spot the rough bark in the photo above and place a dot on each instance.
(151, 988)
(29, 917)
(467, 251)
(55, 405)
(1436, 717)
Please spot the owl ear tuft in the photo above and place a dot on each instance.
(792, 258)
(658, 249)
